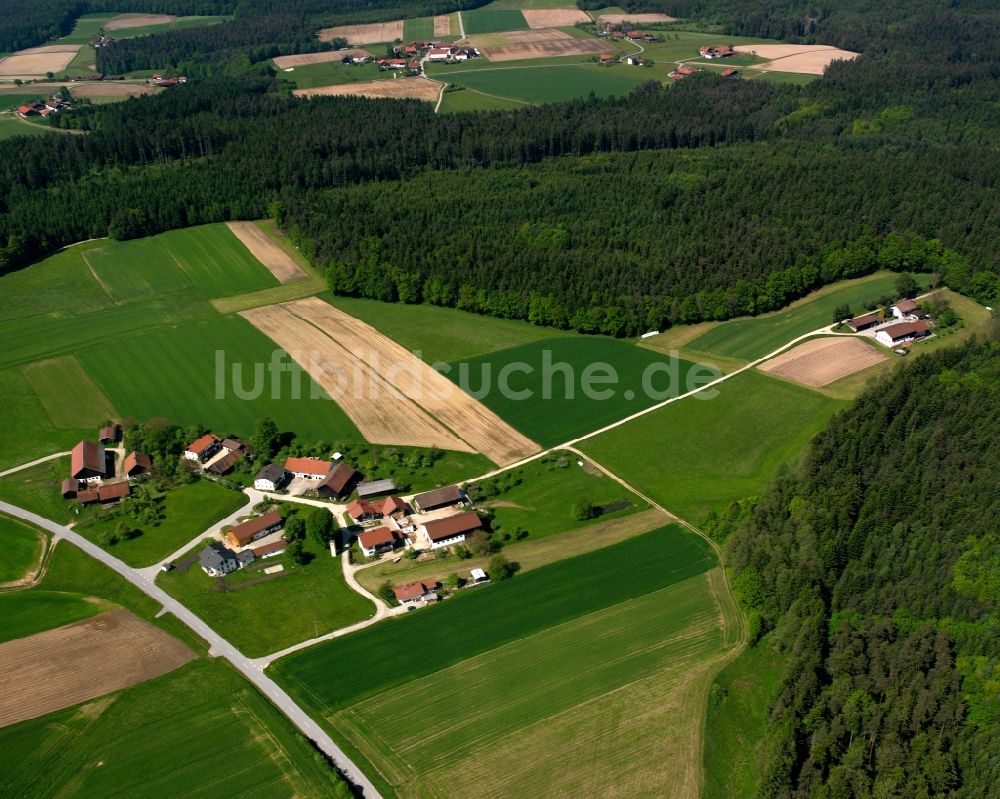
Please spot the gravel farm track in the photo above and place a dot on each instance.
(71, 664)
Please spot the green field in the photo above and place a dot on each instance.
(439, 637)
(21, 547)
(549, 83)
(38, 488)
(332, 73)
(299, 603)
(11, 126)
(85, 406)
(86, 28)
(189, 510)
(550, 488)
(514, 673)
(469, 100)
(421, 29)
(492, 20)
(20, 96)
(738, 710)
(568, 412)
(700, 455)
(184, 387)
(753, 337)
(200, 731)
(25, 613)
(442, 334)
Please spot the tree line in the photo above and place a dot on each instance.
(874, 570)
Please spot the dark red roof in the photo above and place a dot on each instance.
(137, 461)
(269, 549)
(453, 525)
(361, 507)
(244, 532)
(87, 455)
(111, 491)
(376, 536)
(202, 444)
(414, 589)
(904, 329)
(338, 479)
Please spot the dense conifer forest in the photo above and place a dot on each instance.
(876, 569)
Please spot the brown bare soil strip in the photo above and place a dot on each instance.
(614, 19)
(111, 89)
(38, 61)
(821, 361)
(137, 21)
(380, 412)
(469, 418)
(398, 89)
(805, 59)
(372, 33)
(542, 44)
(71, 664)
(442, 25)
(553, 17)
(278, 262)
(285, 61)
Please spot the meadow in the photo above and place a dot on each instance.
(85, 406)
(188, 510)
(568, 412)
(752, 337)
(421, 29)
(86, 28)
(442, 335)
(545, 502)
(280, 610)
(549, 83)
(333, 73)
(439, 637)
(25, 613)
(187, 733)
(37, 488)
(21, 548)
(493, 20)
(455, 102)
(11, 126)
(699, 455)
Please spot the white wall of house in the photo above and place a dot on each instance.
(264, 485)
(448, 542)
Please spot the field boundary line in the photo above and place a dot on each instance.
(36, 462)
(104, 286)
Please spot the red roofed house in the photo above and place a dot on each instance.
(112, 493)
(137, 464)
(439, 54)
(361, 510)
(684, 70)
(729, 73)
(87, 461)
(452, 530)
(308, 468)
(414, 592)
(903, 308)
(337, 484)
(378, 539)
(245, 532)
(902, 332)
(392, 506)
(202, 449)
(864, 322)
(270, 550)
(607, 58)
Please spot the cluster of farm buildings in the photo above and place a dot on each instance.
(617, 32)
(906, 323)
(44, 109)
(101, 474)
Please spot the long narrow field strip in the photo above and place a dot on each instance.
(416, 88)
(483, 429)
(442, 25)
(380, 411)
(553, 17)
(371, 33)
(301, 60)
(821, 361)
(278, 262)
(62, 667)
(638, 19)
(69, 395)
(125, 21)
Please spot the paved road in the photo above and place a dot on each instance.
(219, 646)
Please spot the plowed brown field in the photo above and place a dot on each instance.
(553, 17)
(371, 33)
(821, 361)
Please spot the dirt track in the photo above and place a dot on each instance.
(284, 61)
(542, 44)
(442, 25)
(137, 21)
(553, 17)
(71, 664)
(278, 262)
(389, 89)
(381, 413)
(420, 382)
(372, 33)
(821, 361)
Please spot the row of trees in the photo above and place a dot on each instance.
(874, 568)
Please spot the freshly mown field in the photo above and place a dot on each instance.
(420, 29)
(439, 637)
(28, 432)
(201, 731)
(37, 488)
(189, 387)
(260, 613)
(549, 84)
(188, 511)
(547, 499)
(25, 613)
(738, 708)
(751, 338)
(84, 406)
(442, 335)
(525, 386)
(21, 547)
(700, 455)
(492, 20)
(504, 690)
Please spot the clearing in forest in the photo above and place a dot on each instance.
(63, 667)
(278, 262)
(821, 361)
(371, 33)
(553, 17)
(137, 21)
(398, 89)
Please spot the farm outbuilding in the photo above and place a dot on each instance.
(868, 320)
(337, 484)
(902, 332)
(374, 488)
(137, 464)
(308, 468)
(270, 478)
(245, 532)
(88, 461)
(452, 530)
(438, 498)
(69, 488)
